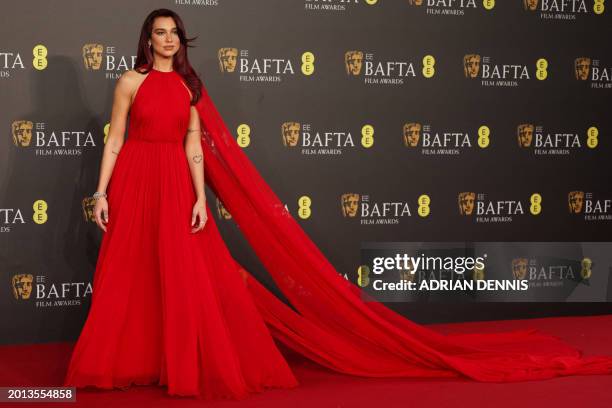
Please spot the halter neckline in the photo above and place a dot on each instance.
(163, 72)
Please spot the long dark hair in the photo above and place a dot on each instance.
(144, 56)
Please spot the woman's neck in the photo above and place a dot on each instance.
(163, 65)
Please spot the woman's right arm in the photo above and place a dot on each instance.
(114, 141)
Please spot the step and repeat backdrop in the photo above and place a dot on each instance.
(373, 120)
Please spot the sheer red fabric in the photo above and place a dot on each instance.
(169, 307)
(174, 308)
(330, 323)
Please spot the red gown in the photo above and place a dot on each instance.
(168, 306)
(175, 308)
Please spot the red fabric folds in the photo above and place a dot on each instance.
(169, 307)
(330, 323)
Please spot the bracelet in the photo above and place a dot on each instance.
(98, 194)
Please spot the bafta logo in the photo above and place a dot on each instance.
(88, 204)
(412, 133)
(227, 59)
(222, 211)
(353, 61)
(586, 265)
(479, 273)
(582, 66)
(92, 56)
(519, 268)
(290, 132)
(466, 203)
(530, 5)
(405, 274)
(524, 133)
(575, 201)
(22, 285)
(22, 132)
(415, 2)
(471, 65)
(350, 204)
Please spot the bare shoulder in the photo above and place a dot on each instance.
(131, 77)
(126, 82)
(129, 82)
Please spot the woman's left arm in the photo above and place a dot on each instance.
(195, 157)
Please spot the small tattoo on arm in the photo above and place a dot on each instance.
(114, 152)
(197, 158)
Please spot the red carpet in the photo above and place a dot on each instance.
(45, 365)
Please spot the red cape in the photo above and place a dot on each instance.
(329, 322)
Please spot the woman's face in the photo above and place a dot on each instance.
(164, 37)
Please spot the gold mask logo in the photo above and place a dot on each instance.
(412, 134)
(22, 132)
(524, 133)
(349, 203)
(575, 201)
(478, 273)
(585, 271)
(22, 286)
(290, 133)
(353, 61)
(415, 2)
(471, 65)
(519, 268)
(227, 59)
(466, 201)
(92, 56)
(407, 274)
(222, 211)
(88, 204)
(582, 67)
(530, 5)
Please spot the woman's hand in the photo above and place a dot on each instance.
(101, 213)
(199, 212)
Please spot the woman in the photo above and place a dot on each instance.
(169, 303)
(172, 307)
